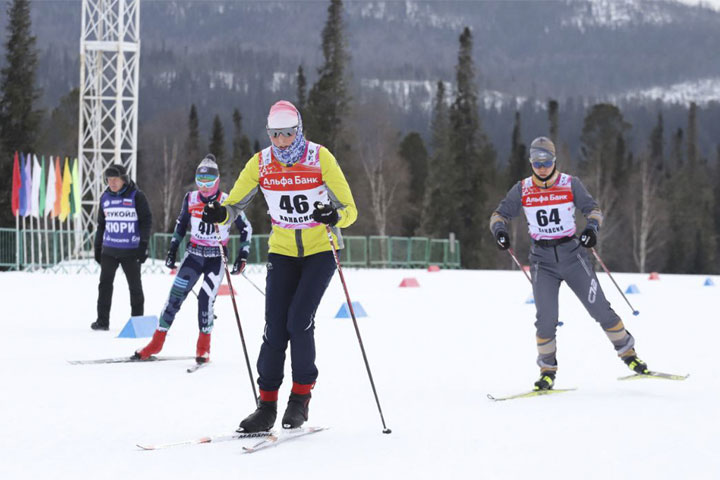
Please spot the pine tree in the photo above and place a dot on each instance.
(19, 120)
(472, 160)
(301, 89)
(553, 108)
(438, 188)
(193, 153)
(657, 144)
(217, 143)
(328, 100)
(415, 155)
(241, 151)
(518, 161)
(604, 166)
(691, 142)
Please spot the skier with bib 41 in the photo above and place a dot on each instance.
(548, 199)
(306, 192)
(202, 258)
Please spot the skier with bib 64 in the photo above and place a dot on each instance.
(306, 192)
(548, 199)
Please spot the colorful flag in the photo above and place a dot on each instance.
(57, 206)
(16, 184)
(35, 190)
(41, 197)
(23, 186)
(77, 191)
(50, 194)
(27, 179)
(65, 195)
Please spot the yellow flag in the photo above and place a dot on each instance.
(65, 195)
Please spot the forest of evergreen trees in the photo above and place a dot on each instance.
(653, 168)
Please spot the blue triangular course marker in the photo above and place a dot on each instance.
(344, 311)
(632, 288)
(139, 327)
(709, 282)
(530, 299)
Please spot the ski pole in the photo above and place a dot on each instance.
(517, 262)
(602, 264)
(253, 284)
(357, 330)
(237, 315)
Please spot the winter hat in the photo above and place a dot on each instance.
(283, 114)
(116, 170)
(542, 148)
(208, 167)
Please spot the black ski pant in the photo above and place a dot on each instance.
(294, 288)
(131, 268)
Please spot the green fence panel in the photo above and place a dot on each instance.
(419, 255)
(49, 247)
(8, 247)
(355, 253)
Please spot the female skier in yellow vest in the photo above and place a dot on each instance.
(305, 191)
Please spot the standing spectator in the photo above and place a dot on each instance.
(123, 233)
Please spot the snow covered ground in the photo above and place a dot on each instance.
(435, 352)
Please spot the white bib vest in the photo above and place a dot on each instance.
(291, 192)
(202, 233)
(550, 212)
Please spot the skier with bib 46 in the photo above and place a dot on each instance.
(202, 257)
(548, 199)
(306, 192)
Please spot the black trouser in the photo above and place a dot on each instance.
(108, 267)
(294, 288)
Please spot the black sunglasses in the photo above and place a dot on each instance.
(276, 132)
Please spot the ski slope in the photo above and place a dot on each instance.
(435, 352)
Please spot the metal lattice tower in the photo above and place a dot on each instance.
(109, 72)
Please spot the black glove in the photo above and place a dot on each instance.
(214, 213)
(239, 266)
(326, 214)
(170, 259)
(98, 254)
(142, 253)
(502, 239)
(588, 238)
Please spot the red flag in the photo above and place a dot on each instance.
(16, 183)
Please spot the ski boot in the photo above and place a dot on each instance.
(261, 420)
(202, 352)
(546, 381)
(155, 345)
(296, 412)
(636, 365)
(98, 325)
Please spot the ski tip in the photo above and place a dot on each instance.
(144, 447)
(490, 397)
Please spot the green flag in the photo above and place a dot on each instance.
(41, 206)
(77, 191)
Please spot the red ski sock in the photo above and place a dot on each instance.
(268, 395)
(302, 389)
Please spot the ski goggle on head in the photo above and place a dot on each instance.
(206, 181)
(540, 158)
(276, 132)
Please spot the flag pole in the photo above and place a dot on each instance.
(17, 241)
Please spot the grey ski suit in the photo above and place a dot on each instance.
(553, 261)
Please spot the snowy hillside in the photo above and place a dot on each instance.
(435, 352)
